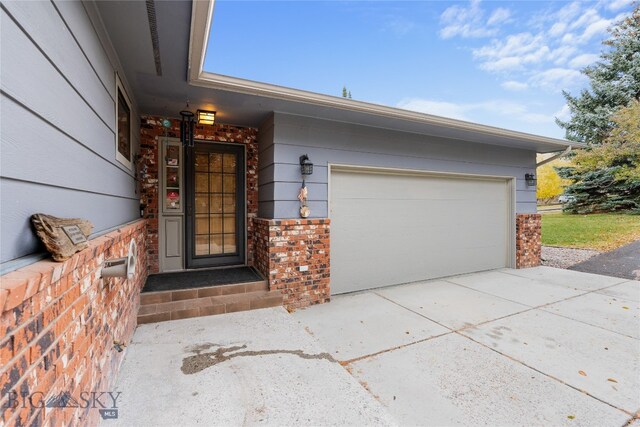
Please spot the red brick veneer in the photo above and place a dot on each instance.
(283, 246)
(151, 130)
(528, 240)
(58, 325)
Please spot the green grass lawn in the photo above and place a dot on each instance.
(602, 232)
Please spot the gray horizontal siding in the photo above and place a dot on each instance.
(41, 21)
(57, 136)
(282, 190)
(329, 142)
(268, 209)
(265, 174)
(74, 16)
(70, 163)
(20, 200)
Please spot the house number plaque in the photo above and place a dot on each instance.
(74, 234)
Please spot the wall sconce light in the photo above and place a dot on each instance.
(186, 127)
(305, 165)
(530, 179)
(206, 117)
(306, 168)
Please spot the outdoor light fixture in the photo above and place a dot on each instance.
(206, 117)
(186, 127)
(530, 179)
(305, 165)
(306, 168)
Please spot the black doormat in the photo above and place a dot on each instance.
(200, 278)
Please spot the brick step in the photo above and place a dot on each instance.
(208, 305)
(152, 298)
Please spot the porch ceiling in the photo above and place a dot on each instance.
(167, 94)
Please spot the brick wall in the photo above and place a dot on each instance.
(528, 240)
(58, 324)
(151, 130)
(283, 246)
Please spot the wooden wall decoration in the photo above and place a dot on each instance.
(62, 237)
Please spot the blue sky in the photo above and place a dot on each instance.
(501, 63)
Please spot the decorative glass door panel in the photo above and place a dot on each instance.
(216, 216)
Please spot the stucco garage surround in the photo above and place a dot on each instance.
(393, 226)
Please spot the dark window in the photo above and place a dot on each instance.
(124, 127)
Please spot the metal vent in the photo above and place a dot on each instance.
(153, 27)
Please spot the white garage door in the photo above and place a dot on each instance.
(391, 228)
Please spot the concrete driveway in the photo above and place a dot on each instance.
(247, 368)
(539, 346)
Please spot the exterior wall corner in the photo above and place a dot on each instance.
(294, 256)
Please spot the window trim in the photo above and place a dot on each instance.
(121, 90)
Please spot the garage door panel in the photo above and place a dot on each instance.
(402, 187)
(391, 229)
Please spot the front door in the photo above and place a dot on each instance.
(215, 219)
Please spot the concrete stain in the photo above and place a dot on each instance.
(201, 361)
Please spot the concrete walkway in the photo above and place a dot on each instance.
(539, 346)
(623, 262)
(253, 367)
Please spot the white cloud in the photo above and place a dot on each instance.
(557, 29)
(569, 12)
(595, 28)
(618, 4)
(561, 55)
(583, 60)
(593, 25)
(499, 16)
(516, 44)
(500, 111)
(544, 51)
(513, 53)
(549, 48)
(469, 22)
(557, 78)
(503, 64)
(514, 86)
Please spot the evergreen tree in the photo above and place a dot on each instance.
(344, 91)
(606, 177)
(614, 82)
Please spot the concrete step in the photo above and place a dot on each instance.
(208, 305)
(151, 298)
